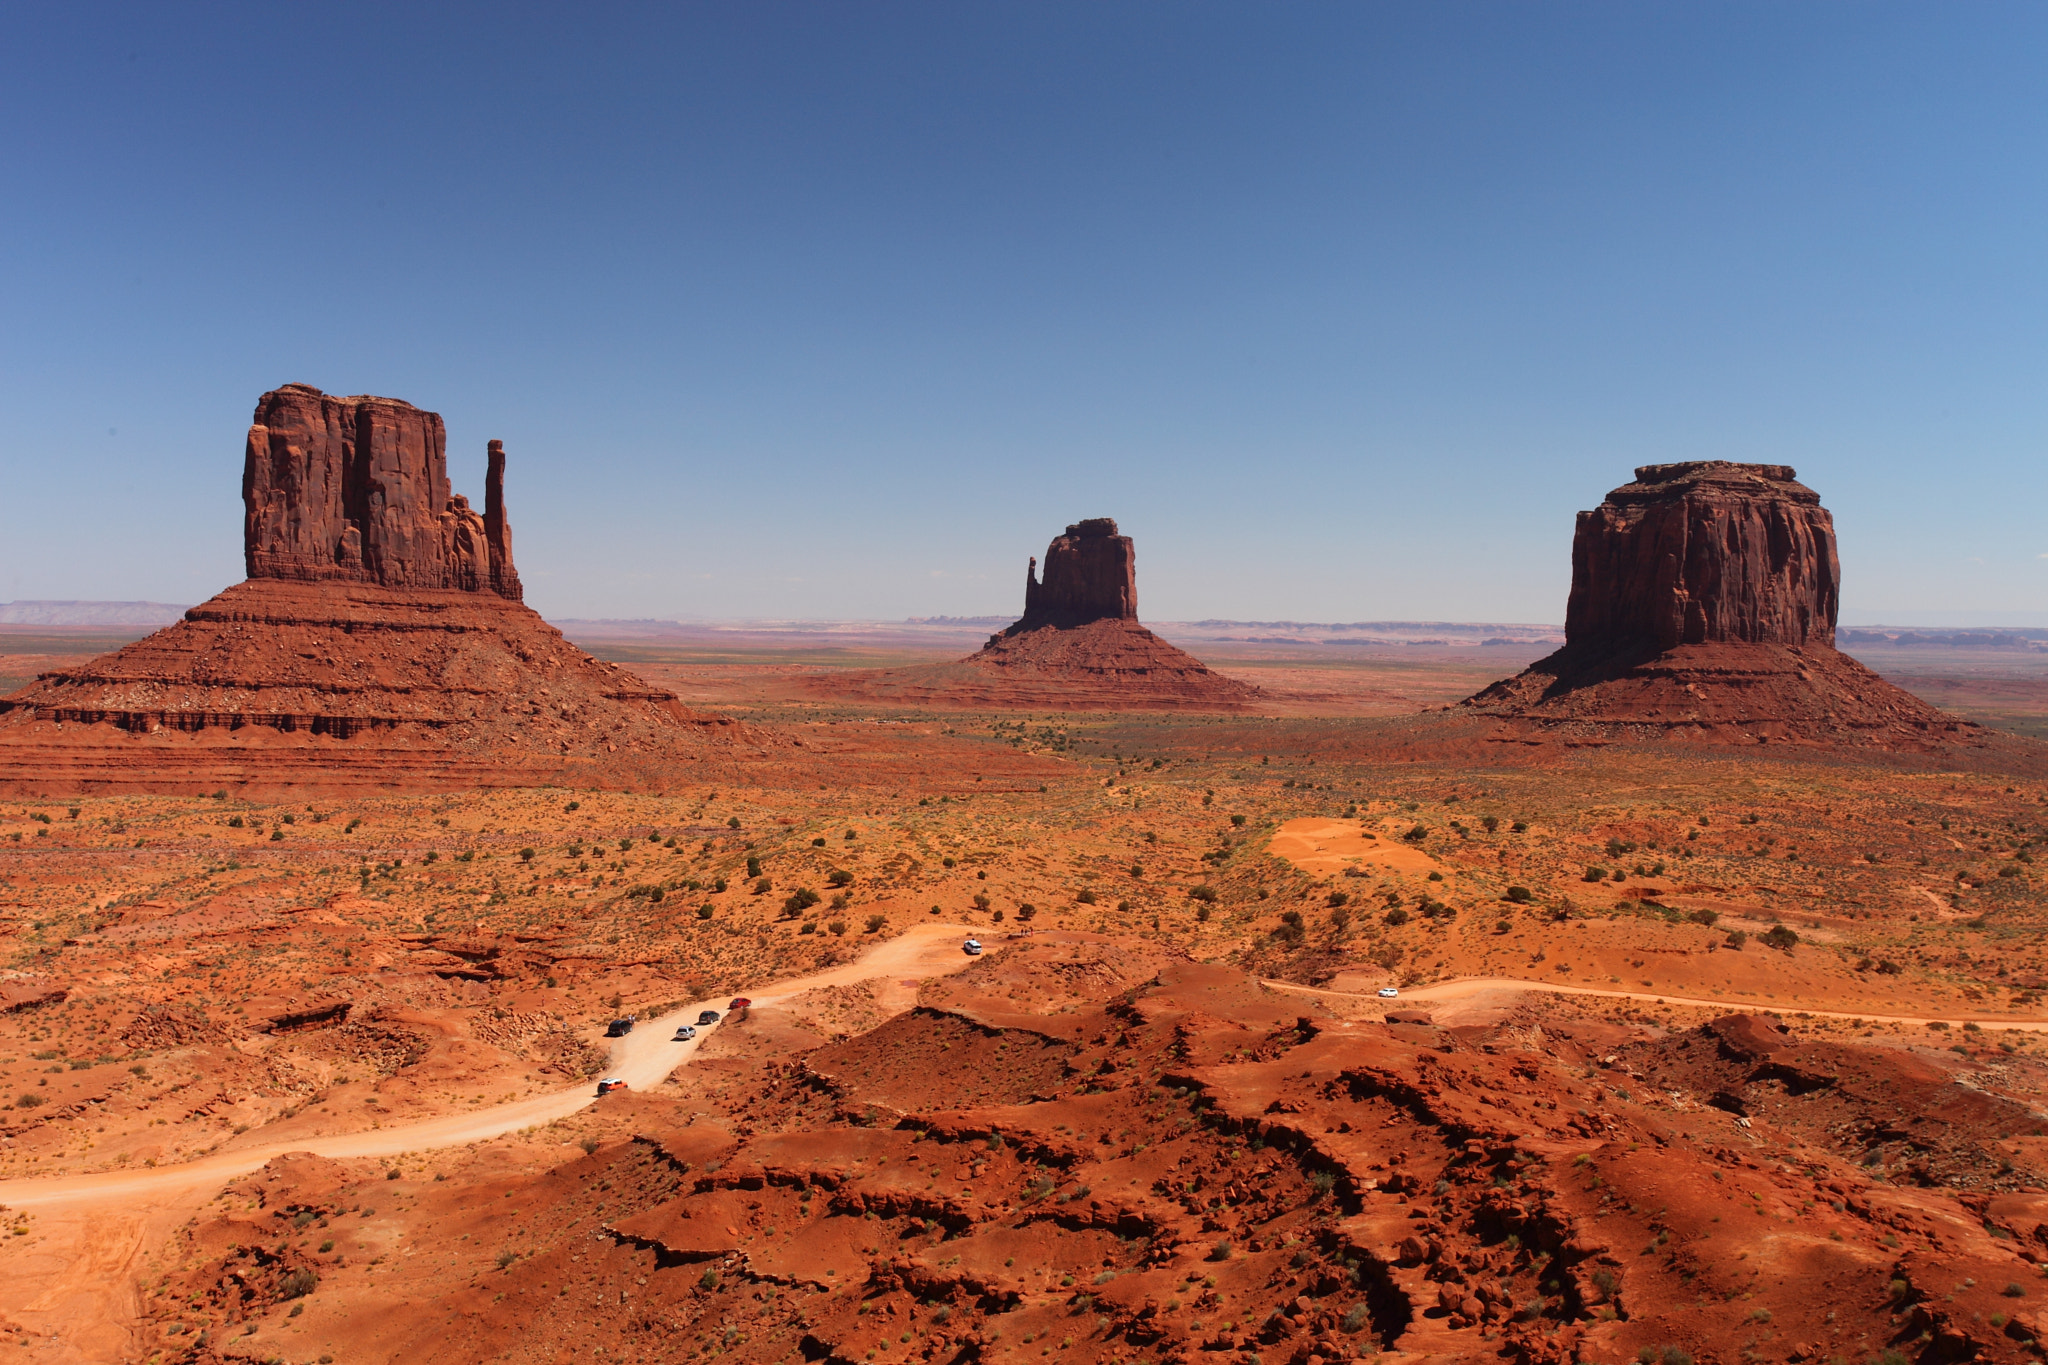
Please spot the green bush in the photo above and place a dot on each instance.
(1520, 895)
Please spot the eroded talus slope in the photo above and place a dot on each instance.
(1082, 1150)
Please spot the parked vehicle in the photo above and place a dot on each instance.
(684, 1034)
(611, 1083)
(619, 1028)
(1388, 992)
(707, 1017)
(972, 947)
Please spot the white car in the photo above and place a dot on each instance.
(972, 947)
(1388, 992)
(684, 1034)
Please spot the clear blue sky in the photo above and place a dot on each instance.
(843, 310)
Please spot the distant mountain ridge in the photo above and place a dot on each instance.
(89, 613)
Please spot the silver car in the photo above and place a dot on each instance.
(684, 1034)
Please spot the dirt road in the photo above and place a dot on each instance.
(1467, 988)
(74, 1285)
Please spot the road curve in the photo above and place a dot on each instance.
(643, 1059)
(1466, 987)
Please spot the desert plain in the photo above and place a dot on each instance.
(1728, 1051)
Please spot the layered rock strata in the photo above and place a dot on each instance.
(356, 490)
(379, 642)
(1077, 646)
(1703, 605)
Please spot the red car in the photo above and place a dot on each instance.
(739, 1002)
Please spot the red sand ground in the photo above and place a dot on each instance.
(820, 1181)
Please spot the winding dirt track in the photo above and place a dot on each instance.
(77, 1290)
(1467, 988)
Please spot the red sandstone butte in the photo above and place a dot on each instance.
(1077, 646)
(356, 490)
(379, 642)
(1703, 606)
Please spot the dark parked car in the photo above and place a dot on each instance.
(707, 1017)
(619, 1028)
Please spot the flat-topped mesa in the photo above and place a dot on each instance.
(1702, 553)
(356, 490)
(1703, 607)
(1091, 574)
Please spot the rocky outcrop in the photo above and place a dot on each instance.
(1091, 574)
(1703, 607)
(1077, 646)
(379, 643)
(1705, 552)
(356, 490)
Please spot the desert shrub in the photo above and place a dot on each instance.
(1736, 938)
(1617, 847)
(1221, 1251)
(1204, 892)
(1780, 937)
(2013, 1291)
(981, 902)
(236, 822)
(1416, 835)
(763, 885)
(818, 842)
(753, 866)
(1202, 912)
(31, 1100)
(875, 923)
(1704, 916)
(839, 876)
(837, 928)
(799, 900)
(1084, 897)
(1595, 874)
(507, 1257)
(1322, 1182)
(709, 1279)
(1027, 911)
(1520, 895)
(296, 1284)
(733, 823)
(1237, 820)
(1356, 1318)
(706, 910)
(1396, 916)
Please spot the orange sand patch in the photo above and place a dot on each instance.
(1324, 847)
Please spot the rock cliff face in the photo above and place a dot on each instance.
(1703, 607)
(356, 490)
(1704, 553)
(1091, 574)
